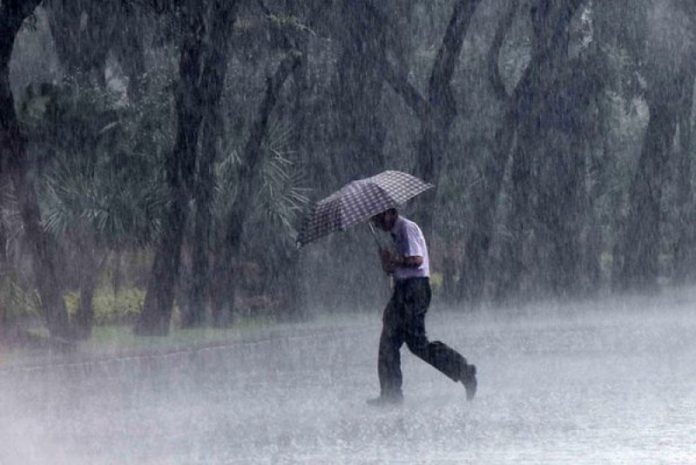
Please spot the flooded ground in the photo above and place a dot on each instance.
(612, 382)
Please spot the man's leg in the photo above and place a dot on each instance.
(389, 358)
(436, 353)
(447, 360)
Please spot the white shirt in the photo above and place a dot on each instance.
(409, 241)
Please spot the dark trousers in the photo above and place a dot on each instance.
(404, 321)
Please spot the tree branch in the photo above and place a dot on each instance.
(443, 68)
(399, 83)
(452, 42)
(252, 155)
(494, 51)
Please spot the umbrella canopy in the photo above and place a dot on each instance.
(358, 201)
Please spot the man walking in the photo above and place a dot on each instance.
(404, 317)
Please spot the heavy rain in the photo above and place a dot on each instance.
(347, 232)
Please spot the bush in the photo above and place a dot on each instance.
(109, 308)
(18, 302)
(436, 280)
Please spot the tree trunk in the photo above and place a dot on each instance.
(287, 284)
(683, 247)
(515, 250)
(597, 185)
(290, 273)
(472, 276)
(89, 272)
(639, 268)
(436, 123)
(559, 213)
(542, 123)
(117, 270)
(192, 96)
(194, 315)
(213, 84)
(14, 162)
(84, 319)
(249, 172)
(5, 270)
(358, 133)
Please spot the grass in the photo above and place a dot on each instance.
(115, 339)
(109, 339)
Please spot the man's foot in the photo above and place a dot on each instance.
(385, 401)
(468, 379)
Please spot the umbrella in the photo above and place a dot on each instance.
(358, 201)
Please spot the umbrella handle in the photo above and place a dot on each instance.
(374, 235)
(379, 246)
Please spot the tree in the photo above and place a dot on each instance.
(441, 108)
(437, 111)
(684, 242)
(249, 175)
(543, 157)
(214, 73)
(99, 185)
(86, 32)
(472, 276)
(669, 73)
(14, 164)
(191, 98)
(683, 248)
(354, 133)
(358, 134)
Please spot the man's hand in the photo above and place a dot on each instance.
(391, 260)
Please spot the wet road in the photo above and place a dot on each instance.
(612, 382)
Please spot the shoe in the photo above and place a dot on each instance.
(385, 401)
(468, 379)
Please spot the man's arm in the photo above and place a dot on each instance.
(408, 262)
(391, 260)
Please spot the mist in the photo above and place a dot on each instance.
(609, 381)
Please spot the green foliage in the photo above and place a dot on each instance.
(436, 280)
(109, 307)
(102, 158)
(281, 198)
(120, 338)
(18, 302)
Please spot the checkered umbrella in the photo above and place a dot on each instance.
(358, 201)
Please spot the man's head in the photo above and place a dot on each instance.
(385, 220)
